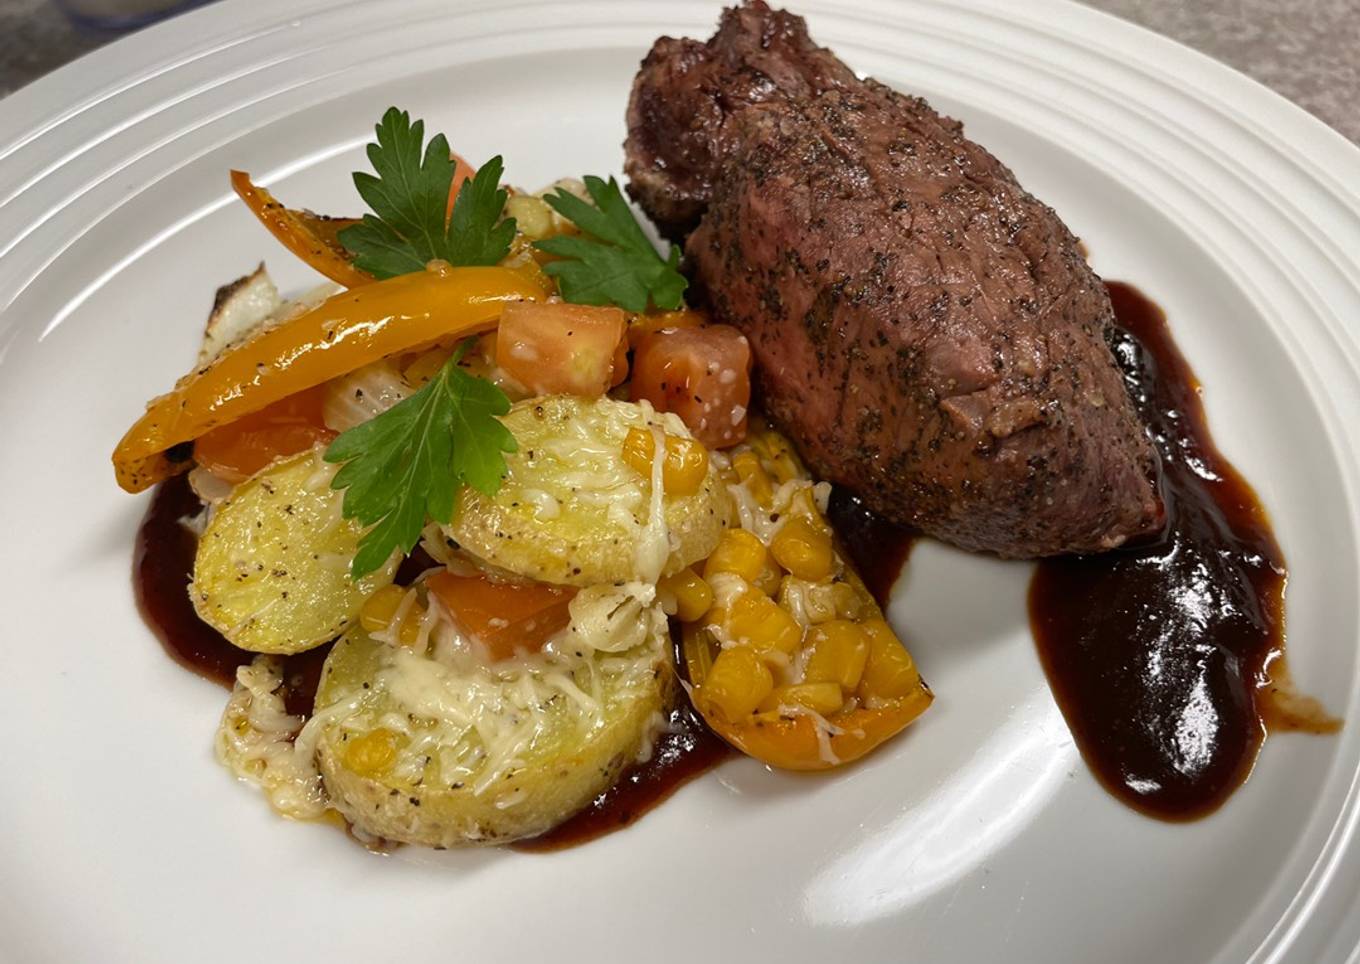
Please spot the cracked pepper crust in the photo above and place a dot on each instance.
(925, 329)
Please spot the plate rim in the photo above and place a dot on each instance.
(201, 33)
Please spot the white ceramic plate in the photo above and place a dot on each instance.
(979, 836)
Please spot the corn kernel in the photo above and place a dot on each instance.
(812, 602)
(838, 651)
(372, 754)
(736, 684)
(823, 698)
(533, 217)
(740, 552)
(889, 672)
(749, 470)
(803, 503)
(849, 604)
(755, 619)
(804, 549)
(682, 471)
(381, 608)
(692, 595)
(785, 468)
(770, 576)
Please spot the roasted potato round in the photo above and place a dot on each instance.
(572, 511)
(446, 753)
(272, 569)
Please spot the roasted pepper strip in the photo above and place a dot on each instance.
(312, 237)
(791, 742)
(341, 334)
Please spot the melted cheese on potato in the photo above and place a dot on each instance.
(487, 752)
(571, 511)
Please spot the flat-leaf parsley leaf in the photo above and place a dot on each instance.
(611, 262)
(408, 462)
(409, 197)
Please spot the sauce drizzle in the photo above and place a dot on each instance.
(685, 750)
(1166, 657)
(163, 566)
(1161, 654)
(877, 548)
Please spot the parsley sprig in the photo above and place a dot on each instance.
(409, 197)
(409, 462)
(612, 262)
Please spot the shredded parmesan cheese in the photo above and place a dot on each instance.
(255, 740)
(480, 720)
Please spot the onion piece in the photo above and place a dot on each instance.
(362, 394)
(211, 489)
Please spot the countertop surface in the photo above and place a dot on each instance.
(1307, 50)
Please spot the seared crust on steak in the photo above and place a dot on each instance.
(925, 330)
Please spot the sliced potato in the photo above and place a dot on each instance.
(424, 751)
(571, 511)
(272, 569)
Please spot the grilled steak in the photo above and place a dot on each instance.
(925, 330)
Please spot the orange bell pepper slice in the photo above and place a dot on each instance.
(312, 237)
(344, 332)
(315, 237)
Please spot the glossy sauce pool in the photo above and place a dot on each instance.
(1167, 657)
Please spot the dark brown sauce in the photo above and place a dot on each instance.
(877, 548)
(162, 567)
(1161, 655)
(686, 750)
(161, 570)
(1166, 657)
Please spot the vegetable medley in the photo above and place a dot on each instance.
(495, 464)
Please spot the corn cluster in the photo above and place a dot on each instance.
(796, 629)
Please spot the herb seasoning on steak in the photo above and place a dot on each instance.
(926, 331)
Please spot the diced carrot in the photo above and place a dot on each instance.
(701, 374)
(559, 348)
(239, 449)
(506, 618)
